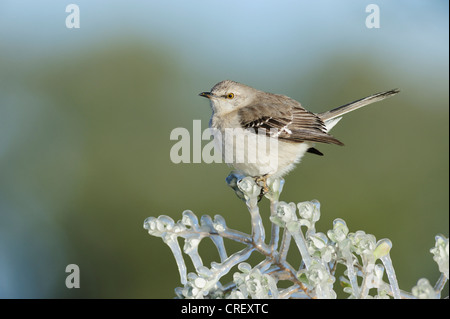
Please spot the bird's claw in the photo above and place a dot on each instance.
(261, 181)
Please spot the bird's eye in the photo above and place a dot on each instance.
(230, 96)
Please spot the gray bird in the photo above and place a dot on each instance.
(246, 122)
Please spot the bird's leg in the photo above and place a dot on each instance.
(262, 182)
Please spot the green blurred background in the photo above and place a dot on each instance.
(86, 114)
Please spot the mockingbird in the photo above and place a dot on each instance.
(242, 110)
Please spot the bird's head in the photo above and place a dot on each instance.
(228, 96)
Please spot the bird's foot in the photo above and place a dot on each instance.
(262, 182)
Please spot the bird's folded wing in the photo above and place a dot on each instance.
(286, 119)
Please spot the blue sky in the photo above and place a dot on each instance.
(242, 33)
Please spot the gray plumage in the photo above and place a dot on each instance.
(237, 105)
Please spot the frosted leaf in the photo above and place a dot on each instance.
(200, 282)
(309, 213)
(189, 219)
(382, 249)
(238, 278)
(232, 181)
(318, 246)
(249, 188)
(150, 224)
(363, 244)
(286, 212)
(206, 224)
(244, 267)
(251, 283)
(382, 252)
(219, 224)
(163, 227)
(345, 249)
(275, 187)
(255, 286)
(317, 274)
(319, 240)
(440, 254)
(318, 277)
(424, 290)
(339, 231)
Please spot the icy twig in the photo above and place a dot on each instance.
(364, 259)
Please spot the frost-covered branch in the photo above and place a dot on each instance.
(369, 270)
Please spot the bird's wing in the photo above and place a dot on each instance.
(286, 119)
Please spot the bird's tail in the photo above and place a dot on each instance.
(341, 110)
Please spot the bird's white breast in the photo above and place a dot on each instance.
(256, 154)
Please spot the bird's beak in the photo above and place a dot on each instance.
(206, 94)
